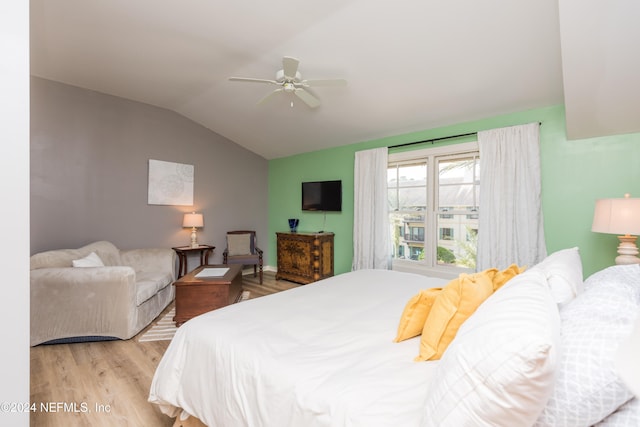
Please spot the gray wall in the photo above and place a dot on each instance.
(89, 174)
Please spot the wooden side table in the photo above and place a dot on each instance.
(184, 251)
(195, 296)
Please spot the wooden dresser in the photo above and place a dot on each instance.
(304, 257)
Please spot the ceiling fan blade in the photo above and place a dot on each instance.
(248, 79)
(290, 66)
(269, 95)
(324, 82)
(307, 98)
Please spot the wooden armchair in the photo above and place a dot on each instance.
(241, 249)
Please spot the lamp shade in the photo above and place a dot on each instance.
(193, 220)
(617, 216)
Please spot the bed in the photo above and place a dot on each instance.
(323, 355)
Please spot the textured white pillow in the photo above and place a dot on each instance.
(499, 370)
(91, 260)
(588, 388)
(563, 270)
(239, 244)
(628, 415)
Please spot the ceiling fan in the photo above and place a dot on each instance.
(289, 80)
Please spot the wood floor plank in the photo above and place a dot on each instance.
(107, 383)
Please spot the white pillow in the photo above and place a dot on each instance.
(628, 415)
(91, 260)
(563, 270)
(499, 370)
(588, 388)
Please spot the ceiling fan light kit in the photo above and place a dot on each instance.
(290, 80)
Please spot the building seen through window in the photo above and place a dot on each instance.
(434, 207)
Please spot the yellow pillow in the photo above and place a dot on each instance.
(454, 304)
(502, 277)
(415, 314)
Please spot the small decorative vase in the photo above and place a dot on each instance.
(293, 224)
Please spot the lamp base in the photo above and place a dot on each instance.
(194, 238)
(627, 251)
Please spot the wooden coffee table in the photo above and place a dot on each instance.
(197, 295)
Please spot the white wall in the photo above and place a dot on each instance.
(14, 186)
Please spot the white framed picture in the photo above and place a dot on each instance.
(170, 183)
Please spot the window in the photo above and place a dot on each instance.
(445, 216)
(434, 207)
(446, 233)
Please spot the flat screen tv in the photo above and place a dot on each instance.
(322, 196)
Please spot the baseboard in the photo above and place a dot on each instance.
(249, 270)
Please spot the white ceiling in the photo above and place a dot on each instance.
(410, 64)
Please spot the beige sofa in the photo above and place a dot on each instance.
(116, 300)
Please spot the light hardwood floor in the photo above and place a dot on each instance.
(107, 383)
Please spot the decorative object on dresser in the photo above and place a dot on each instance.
(621, 217)
(184, 251)
(304, 257)
(207, 288)
(293, 224)
(242, 249)
(194, 221)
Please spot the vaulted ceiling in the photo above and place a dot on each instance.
(410, 64)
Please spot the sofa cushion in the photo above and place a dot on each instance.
(108, 253)
(149, 284)
(58, 258)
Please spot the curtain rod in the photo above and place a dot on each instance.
(437, 139)
(433, 140)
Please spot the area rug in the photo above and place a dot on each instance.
(165, 328)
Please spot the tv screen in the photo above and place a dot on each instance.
(322, 196)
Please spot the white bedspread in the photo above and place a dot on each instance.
(318, 355)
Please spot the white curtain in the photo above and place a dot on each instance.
(371, 239)
(510, 224)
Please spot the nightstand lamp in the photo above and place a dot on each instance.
(621, 217)
(193, 220)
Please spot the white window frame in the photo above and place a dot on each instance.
(430, 267)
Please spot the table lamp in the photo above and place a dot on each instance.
(621, 217)
(193, 220)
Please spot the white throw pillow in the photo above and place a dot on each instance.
(587, 388)
(499, 370)
(91, 260)
(563, 270)
(628, 415)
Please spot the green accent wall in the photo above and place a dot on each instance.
(574, 174)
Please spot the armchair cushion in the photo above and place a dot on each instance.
(242, 249)
(239, 244)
